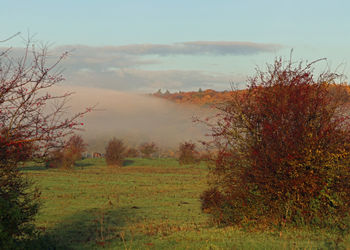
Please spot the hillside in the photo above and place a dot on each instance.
(210, 97)
(205, 97)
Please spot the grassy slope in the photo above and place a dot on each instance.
(147, 204)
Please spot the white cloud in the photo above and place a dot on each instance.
(148, 81)
(123, 67)
(185, 48)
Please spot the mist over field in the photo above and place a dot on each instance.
(135, 118)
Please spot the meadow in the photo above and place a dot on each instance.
(146, 204)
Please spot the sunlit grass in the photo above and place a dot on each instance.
(146, 204)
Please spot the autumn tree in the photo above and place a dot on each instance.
(115, 152)
(188, 153)
(147, 149)
(68, 154)
(33, 122)
(283, 151)
(132, 152)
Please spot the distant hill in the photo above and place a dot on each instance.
(203, 98)
(211, 97)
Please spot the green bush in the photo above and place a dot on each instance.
(19, 203)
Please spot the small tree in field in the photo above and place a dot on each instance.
(68, 155)
(32, 124)
(188, 153)
(132, 152)
(147, 149)
(76, 146)
(283, 151)
(115, 152)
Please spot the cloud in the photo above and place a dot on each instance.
(231, 48)
(199, 48)
(185, 48)
(135, 55)
(99, 58)
(148, 81)
(123, 67)
(120, 67)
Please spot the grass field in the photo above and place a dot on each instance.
(147, 204)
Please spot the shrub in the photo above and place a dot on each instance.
(54, 159)
(148, 149)
(132, 152)
(68, 155)
(283, 151)
(76, 147)
(188, 153)
(19, 200)
(115, 152)
(19, 203)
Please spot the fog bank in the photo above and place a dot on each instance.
(135, 118)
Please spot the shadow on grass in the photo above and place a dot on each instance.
(87, 229)
(30, 168)
(90, 162)
(83, 164)
(128, 163)
(80, 164)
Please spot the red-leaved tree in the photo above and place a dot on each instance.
(33, 122)
(283, 151)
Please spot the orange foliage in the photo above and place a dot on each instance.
(206, 97)
(211, 97)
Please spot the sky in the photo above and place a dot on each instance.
(143, 46)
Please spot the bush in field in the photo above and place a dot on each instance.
(283, 151)
(54, 160)
(132, 152)
(32, 124)
(115, 152)
(188, 153)
(68, 155)
(75, 147)
(148, 149)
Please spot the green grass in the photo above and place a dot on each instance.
(146, 204)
